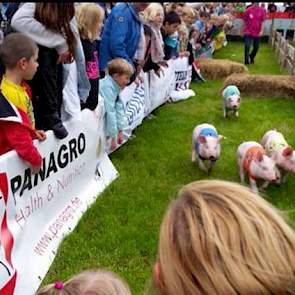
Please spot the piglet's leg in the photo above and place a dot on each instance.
(202, 165)
(224, 112)
(193, 154)
(265, 184)
(253, 185)
(283, 177)
(242, 173)
(237, 113)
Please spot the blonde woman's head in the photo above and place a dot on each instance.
(220, 238)
(189, 15)
(90, 19)
(94, 282)
(154, 13)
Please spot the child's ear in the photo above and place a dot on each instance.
(23, 63)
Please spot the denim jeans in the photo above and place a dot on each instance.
(248, 40)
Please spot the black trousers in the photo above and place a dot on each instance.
(47, 89)
(248, 41)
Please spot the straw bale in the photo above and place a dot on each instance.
(217, 69)
(263, 85)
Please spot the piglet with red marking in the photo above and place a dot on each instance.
(253, 161)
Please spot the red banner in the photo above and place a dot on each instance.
(271, 15)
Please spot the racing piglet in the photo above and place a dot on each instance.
(253, 160)
(277, 148)
(205, 146)
(231, 100)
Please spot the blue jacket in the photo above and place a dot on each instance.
(121, 35)
(115, 115)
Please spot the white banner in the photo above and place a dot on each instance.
(134, 100)
(37, 211)
(183, 77)
(161, 87)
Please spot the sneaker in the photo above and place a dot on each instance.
(59, 130)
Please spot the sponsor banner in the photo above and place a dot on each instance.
(183, 76)
(161, 87)
(38, 210)
(134, 100)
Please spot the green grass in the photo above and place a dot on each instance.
(120, 231)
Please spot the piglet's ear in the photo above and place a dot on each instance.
(202, 139)
(287, 152)
(221, 137)
(260, 157)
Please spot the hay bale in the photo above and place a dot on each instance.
(263, 85)
(217, 69)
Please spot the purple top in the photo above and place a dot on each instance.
(253, 19)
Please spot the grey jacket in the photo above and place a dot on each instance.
(23, 21)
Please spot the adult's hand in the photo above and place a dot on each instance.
(65, 58)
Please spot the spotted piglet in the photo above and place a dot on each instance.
(278, 149)
(205, 146)
(253, 160)
(231, 100)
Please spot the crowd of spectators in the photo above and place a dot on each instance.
(75, 45)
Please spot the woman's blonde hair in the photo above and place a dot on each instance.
(151, 11)
(89, 17)
(187, 10)
(95, 282)
(220, 238)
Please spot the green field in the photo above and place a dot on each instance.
(120, 231)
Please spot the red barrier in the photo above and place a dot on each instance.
(271, 15)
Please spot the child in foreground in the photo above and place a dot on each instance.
(117, 78)
(218, 237)
(95, 282)
(19, 55)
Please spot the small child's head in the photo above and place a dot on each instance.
(89, 18)
(188, 15)
(121, 71)
(219, 237)
(154, 13)
(171, 22)
(19, 53)
(204, 16)
(96, 282)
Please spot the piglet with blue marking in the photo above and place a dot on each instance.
(231, 100)
(206, 146)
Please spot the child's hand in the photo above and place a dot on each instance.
(138, 80)
(163, 63)
(65, 58)
(41, 135)
(113, 143)
(159, 71)
(120, 137)
(35, 169)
